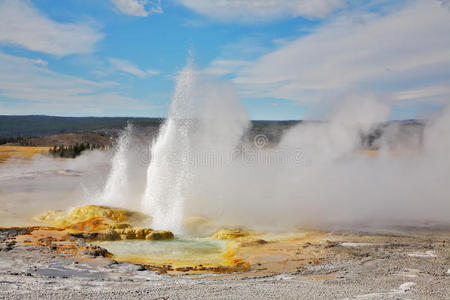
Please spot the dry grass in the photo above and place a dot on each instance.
(20, 152)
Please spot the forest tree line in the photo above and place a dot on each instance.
(73, 151)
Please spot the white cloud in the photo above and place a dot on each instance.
(23, 25)
(407, 49)
(224, 66)
(252, 11)
(40, 62)
(152, 72)
(46, 92)
(427, 92)
(128, 67)
(138, 8)
(246, 47)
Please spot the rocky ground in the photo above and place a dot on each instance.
(413, 265)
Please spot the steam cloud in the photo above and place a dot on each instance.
(203, 163)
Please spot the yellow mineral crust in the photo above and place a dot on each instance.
(231, 258)
(141, 233)
(110, 215)
(159, 235)
(90, 225)
(124, 234)
(102, 223)
(231, 234)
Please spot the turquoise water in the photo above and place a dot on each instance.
(177, 252)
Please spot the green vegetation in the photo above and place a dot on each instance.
(72, 151)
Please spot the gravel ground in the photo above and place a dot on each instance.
(418, 270)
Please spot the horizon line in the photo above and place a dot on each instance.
(163, 118)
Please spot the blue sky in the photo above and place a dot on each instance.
(291, 59)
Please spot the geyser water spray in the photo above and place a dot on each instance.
(169, 174)
(205, 117)
(116, 191)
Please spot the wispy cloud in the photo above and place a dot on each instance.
(225, 66)
(40, 90)
(152, 72)
(21, 24)
(138, 8)
(127, 67)
(40, 62)
(130, 68)
(404, 50)
(246, 47)
(427, 92)
(255, 11)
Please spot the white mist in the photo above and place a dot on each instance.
(116, 191)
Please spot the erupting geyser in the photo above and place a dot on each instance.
(117, 187)
(204, 117)
(168, 173)
(203, 164)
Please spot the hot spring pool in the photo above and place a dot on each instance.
(177, 252)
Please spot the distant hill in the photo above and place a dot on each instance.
(99, 130)
(37, 130)
(36, 125)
